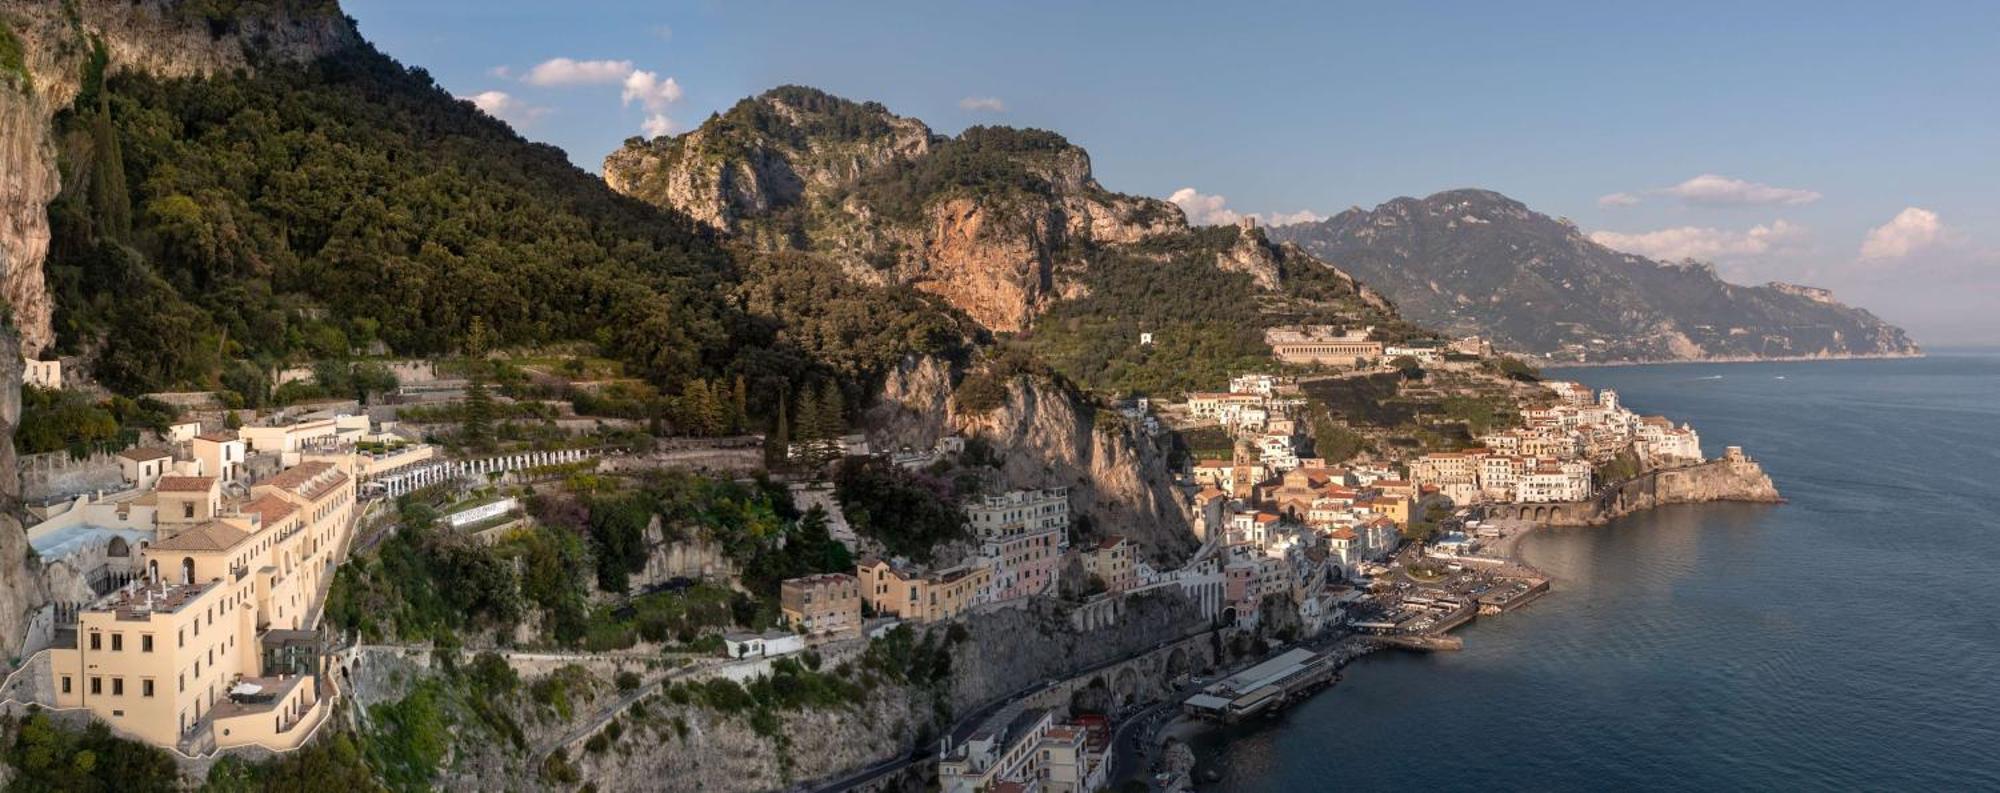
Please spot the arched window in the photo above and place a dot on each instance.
(187, 570)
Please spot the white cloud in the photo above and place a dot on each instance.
(1204, 210)
(1911, 230)
(1714, 190)
(650, 91)
(503, 106)
(986, 104)
(564, 71)
(658, 124)
(1694, 242)
(1289, 218)
(1213, 210)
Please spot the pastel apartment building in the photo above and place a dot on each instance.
(823, 607)
(893, 589)
(1028, 752)
(193, 653)
(1114, 560)
(1022, 535)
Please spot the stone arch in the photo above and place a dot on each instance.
(118, 547)
(1177, 663)
(1091, 697)
(187, 569)
(1555, 513)
(1125, 684)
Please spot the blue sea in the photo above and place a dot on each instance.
(1846, 640)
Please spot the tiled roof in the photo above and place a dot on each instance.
(210, 536)
(308, 479)
(144, 454)
(222, 436)
(186, 484)
(271, 508)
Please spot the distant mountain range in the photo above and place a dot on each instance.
(1476, 261)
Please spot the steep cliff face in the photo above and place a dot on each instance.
(20, 588)
(1048, 437)
(59, 41)
(996, 221)
(150, 36)
(1475, 261)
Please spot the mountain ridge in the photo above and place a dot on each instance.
(1472, 261)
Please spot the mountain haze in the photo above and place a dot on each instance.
(1475, 261)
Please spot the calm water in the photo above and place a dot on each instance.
(1847, 640)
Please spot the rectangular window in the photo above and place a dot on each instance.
(66, 685)
(117, 686)
(146, 688)
(118, 642)
(187, 510)
(145, 642)
(96, 641)
(96, 686)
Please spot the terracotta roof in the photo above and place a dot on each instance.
(222, 436)
(270, 508)
(186, 484)
(144, 454)
(210, 536)
(1110, 542)
(298, 477)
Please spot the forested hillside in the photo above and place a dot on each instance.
(212, 228)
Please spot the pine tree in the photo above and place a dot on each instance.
(475, 432)
(739, 406)
(779, 448)
(829, 423)
(108, 193)
(702, 409)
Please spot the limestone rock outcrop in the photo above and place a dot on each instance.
(1047, 436)
(147, 36)
(997, 222)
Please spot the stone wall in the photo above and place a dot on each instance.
(57, 475)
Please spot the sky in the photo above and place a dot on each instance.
(1839, 145)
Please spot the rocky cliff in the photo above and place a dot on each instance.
(60, 42)
(997, 221)
(1475, 261)
(20, 588)
(1048, 436)
(1733, 477)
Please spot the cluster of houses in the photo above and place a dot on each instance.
(1551, 458)
(1281, 523)
(185, 603)
(1025, 750)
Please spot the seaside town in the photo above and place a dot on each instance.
(191, 573)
